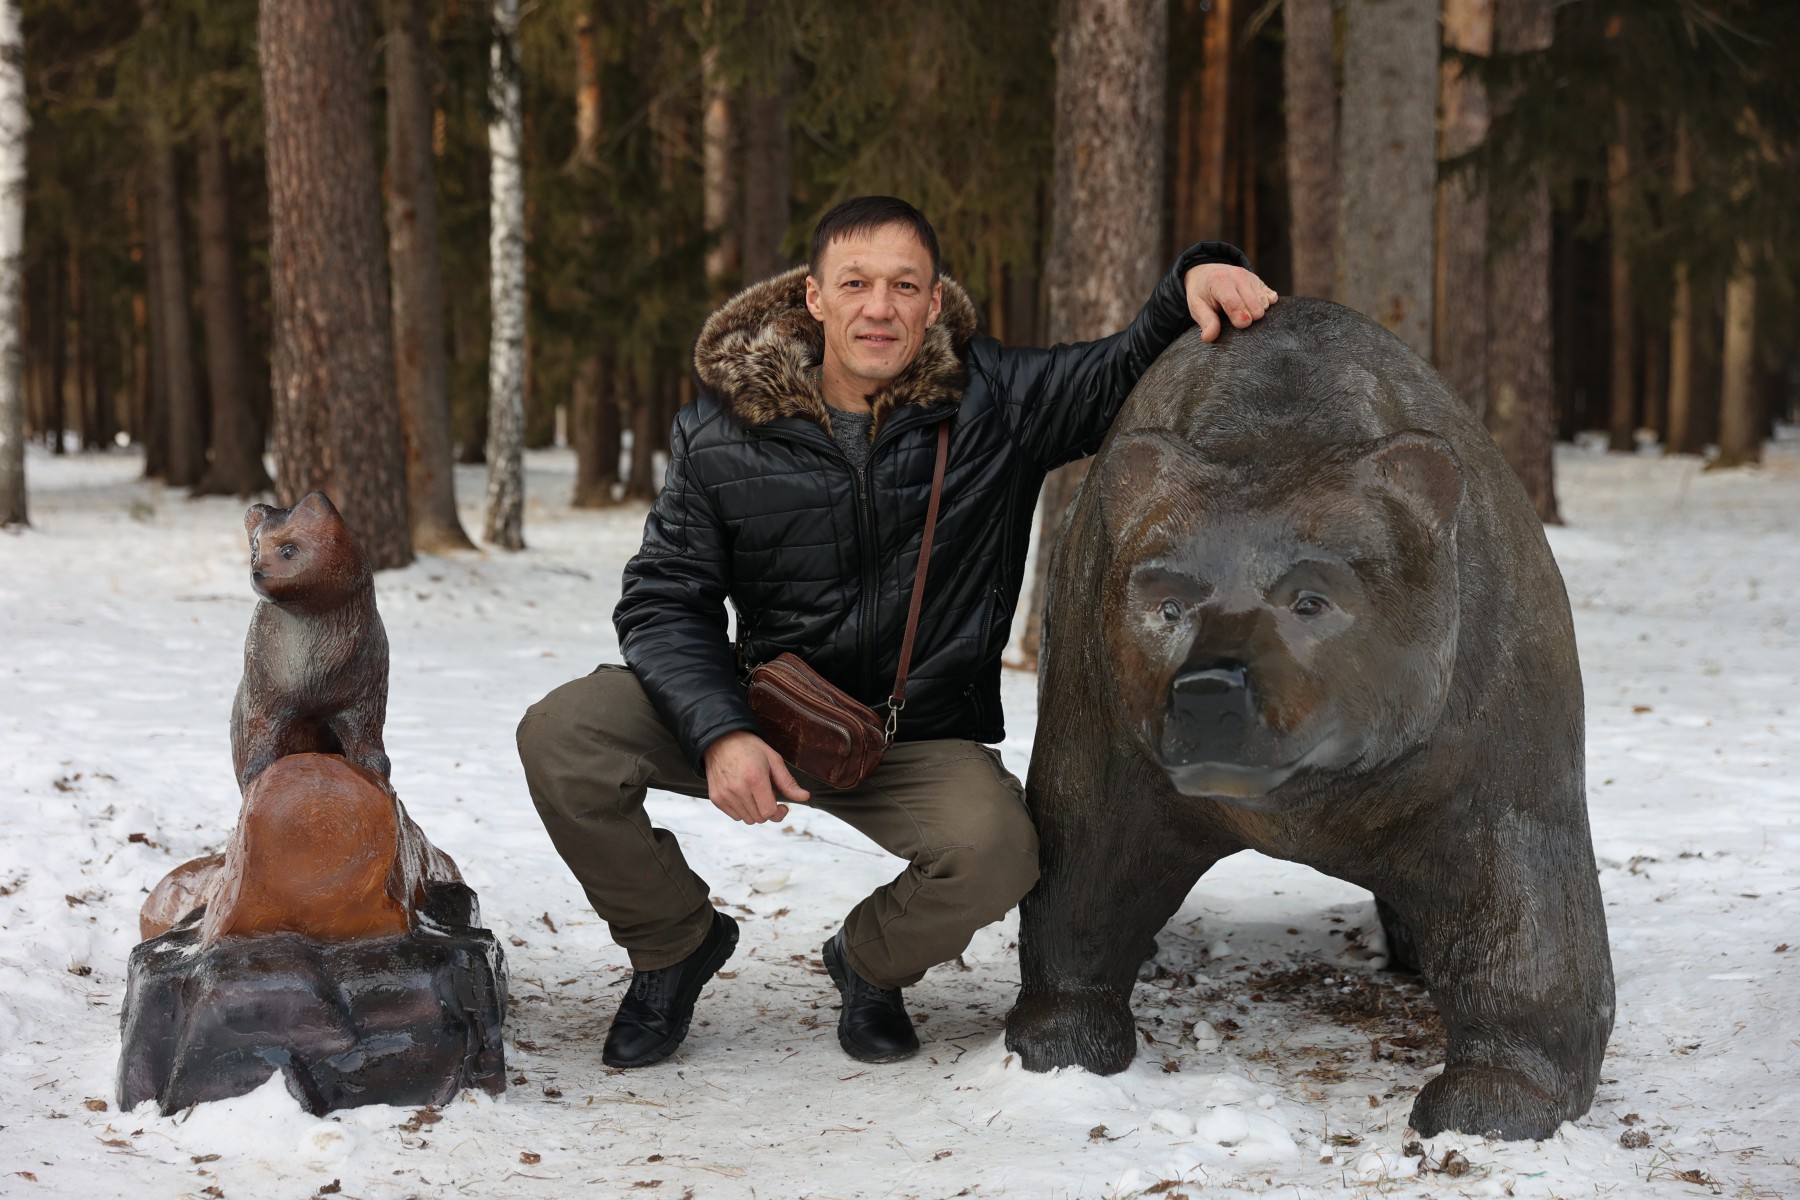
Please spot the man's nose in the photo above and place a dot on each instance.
(880, 305)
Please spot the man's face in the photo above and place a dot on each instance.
(875, 297)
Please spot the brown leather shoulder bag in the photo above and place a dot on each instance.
(816, 726)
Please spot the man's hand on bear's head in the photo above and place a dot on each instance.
(743, 775)
(1216, 290)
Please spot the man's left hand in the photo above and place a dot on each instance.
(1219, 290)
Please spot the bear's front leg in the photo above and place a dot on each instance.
(1110, 877)
(1522, 975)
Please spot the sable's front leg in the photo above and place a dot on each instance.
(1107, 884)
(1522, 975)
(360, 736)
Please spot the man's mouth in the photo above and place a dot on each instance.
(880, 341)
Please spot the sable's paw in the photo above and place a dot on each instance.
(1072, 1029)
(1491, 1102)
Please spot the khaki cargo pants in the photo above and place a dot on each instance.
(594, 745)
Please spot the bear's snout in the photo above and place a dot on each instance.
(1210, 713)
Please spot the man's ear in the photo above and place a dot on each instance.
(937, 304)
(813, 305)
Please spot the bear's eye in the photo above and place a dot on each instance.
(1170, 611)
(287, 550)
(1311, 604)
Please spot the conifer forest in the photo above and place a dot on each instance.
(348, 243)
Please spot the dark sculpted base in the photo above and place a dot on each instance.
(1302, 607)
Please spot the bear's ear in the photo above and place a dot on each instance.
(254, 516)
(1141, 467)
(1422, 470)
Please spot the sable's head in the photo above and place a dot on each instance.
(304, 555)
(1265, 619)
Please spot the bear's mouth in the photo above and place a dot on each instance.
(1249, 786)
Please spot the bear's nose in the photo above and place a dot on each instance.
(1209, 714)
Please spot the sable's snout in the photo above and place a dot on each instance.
(1210, 713)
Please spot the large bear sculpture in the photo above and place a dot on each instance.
(1302, 606)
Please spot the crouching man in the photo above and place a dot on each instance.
(796, 489)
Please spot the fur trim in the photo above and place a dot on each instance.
(758, 353)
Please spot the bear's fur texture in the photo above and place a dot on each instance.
(316, 657)
(1303, 607)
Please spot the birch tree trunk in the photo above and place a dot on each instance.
(14, 121)
(337, 424)
(1522, 402)
(421, 373)
(1106, 206)
(237, 434)
(1460, 331)
(1740, 429)
(1309, 76)
(504, 526)
(1387, 165)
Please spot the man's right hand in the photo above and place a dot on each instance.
(743, 775)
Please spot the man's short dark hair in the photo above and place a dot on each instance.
(865, 214)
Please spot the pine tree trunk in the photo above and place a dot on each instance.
(1622, 408)
(766, 182)
(1204, 111)
(717, 198)
(504, 525)
(1111, 58)
(421, 369)
(1740, 422)
(183, 438)
(237, 433)
(1459, 337)
(55, 315)
(1309, 76)
(594, 408)
(337, 423)
(14, 122)
(1521, 413)
(1387, 165)
(1654, 366)
(640, 483)
(1681, 435)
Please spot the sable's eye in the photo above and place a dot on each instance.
(1311, 604)
(1171, 611)
(287, 551)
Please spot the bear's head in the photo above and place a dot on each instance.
(304, 556)
(1262, 621)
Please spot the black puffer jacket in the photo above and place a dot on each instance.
(760, 507)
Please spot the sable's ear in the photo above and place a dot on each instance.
(1422, 470)
(316, 504)
(1141, 465)
(254, 516)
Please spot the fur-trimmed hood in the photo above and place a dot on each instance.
(759, 351)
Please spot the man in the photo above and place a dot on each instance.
(797, 487)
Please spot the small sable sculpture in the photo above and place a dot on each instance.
(331, 941)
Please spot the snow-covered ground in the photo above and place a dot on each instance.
(1274, 1060)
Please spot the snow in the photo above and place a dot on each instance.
(122, 616)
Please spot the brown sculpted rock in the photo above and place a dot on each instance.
(316, 658)
(1303, 607)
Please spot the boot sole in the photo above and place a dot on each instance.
(836, 967)
(717, 959)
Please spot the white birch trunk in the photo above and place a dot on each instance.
(506, 256)
(13, 123)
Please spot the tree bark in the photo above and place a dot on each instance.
(1387, 165)
(1309, 77)
(717, 193)
(55, 315)
(1204, 111)
(1680, 437)
(237, 433)
(184, 443)
(594, 408)
(1740, 422)
(504, 525)
(337, 423)
(1111, 58)
(646, 413)
(421, 370)
(1460, 331)
(766, 181)
(14, 123)
(1622, 406)
(1521, 412)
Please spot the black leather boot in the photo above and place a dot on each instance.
(872, 1025)
(654, 1016)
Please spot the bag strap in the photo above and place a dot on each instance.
(897, 700)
